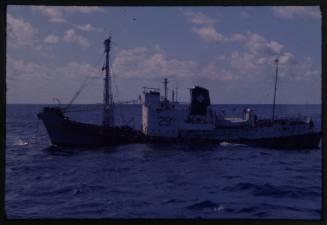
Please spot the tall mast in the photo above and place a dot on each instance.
(166, 89)
(273, 114)
(108, 115)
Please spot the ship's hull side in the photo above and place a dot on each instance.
(65, 132)
(304, 141)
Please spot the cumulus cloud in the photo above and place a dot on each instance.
(16, 68)
(143, 63)
(253, 63)
(82, 9)
(53, 13)
(70, 36)
(257, 44)
(51, 39)
(49, 80)
(293, 12)
(199, 18)
(87, 28)
(20, 33)
(57, 14)
(203, 26)
(22, 69)
(209, 34)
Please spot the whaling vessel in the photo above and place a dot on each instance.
(165, 121)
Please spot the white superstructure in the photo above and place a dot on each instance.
(162, 118)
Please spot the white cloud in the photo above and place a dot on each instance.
(292, 12)
(257, 44)
(255, 59)
(236, 37)
(142, 63)
(87, 28)
(29, 81)
(204, 26)
(57, 14)
(82, 9)
(24, 70)
(51, 39)
(199, 18)
(209, 34)
(70, 36)
(20, 33)
(74, 69)
(53, 13)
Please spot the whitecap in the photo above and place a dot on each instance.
(225, 144)
(20, 142)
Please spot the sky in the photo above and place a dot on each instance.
(52, 51)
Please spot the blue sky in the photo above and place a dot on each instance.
(229, 50)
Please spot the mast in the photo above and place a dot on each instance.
(273, 114)
(108, 116)
(165, 83)
(172, 96)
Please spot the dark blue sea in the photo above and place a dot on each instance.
(227, 181)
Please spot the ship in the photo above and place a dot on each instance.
(165, 121)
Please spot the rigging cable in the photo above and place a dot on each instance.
(83, 85)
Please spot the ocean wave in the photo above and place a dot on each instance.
(282, 191)
(203, 205)
(227, 144)
(21, 142)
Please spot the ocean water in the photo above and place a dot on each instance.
(226, 181)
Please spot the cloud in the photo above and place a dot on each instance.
(20, 33)
(22, 69)
(57, 14)
(253, 63)
(73, 70)
(70, 36)
(257, 44)
(199, 18)
(53, 13)
(293, 12)
(87, 28)
(82, 9)
(209, 34)
(203, 26)
(51, 39)
(254, 43)
(29, 81)
(143, 63)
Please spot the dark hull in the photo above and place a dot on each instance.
(65, 132)
(305, 141)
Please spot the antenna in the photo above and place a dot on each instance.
(273, 114)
